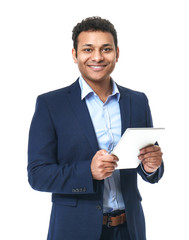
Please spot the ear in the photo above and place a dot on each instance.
(117, 54)
(74, 55)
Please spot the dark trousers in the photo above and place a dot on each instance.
(115, 233)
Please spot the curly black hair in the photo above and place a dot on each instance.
(93, 24)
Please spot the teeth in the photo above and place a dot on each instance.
(97, 66)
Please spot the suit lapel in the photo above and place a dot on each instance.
(125, 109)
(82, 114)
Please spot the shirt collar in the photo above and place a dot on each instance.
(86, 90)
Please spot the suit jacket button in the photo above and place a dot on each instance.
(98, 207)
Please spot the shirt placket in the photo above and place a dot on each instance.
(111, 182)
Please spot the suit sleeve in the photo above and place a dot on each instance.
(44, 171)
(156, 176)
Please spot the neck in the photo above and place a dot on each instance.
(102, 88)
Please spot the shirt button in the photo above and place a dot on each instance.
(98, 207)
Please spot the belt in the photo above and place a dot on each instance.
(111, 221)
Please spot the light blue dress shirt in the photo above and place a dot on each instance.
(106, 120)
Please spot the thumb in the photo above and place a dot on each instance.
(103, 152)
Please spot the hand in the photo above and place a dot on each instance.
(103, 165)
(151, 158)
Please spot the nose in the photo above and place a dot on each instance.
(97, 56)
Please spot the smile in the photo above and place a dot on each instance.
(97, 67)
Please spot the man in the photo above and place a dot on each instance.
(72, 134)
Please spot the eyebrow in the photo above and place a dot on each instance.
(104, 45)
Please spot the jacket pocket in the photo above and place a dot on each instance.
(66, 201)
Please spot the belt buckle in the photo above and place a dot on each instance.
(109, 221)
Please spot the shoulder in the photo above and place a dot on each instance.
(58, 94)
(131, 93)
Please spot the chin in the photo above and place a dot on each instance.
(100, 79)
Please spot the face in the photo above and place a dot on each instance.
(96, 55)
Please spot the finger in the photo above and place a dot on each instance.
(106, 155)
(150, 155)
(115, 157)
(112, 166)
(109, 170)
(149, 169)
(109, 158)
(109, 164)
(104, 165)
(150, 166)
(151, 148)
(102, 152)
(150, 163)
(107, 175)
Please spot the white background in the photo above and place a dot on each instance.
(35, 57)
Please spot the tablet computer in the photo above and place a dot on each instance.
(133, 139)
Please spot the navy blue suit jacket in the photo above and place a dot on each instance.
(62, 143)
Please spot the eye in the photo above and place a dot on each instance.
(106, 49)
(88, 50)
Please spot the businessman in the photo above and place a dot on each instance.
(72, 134)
